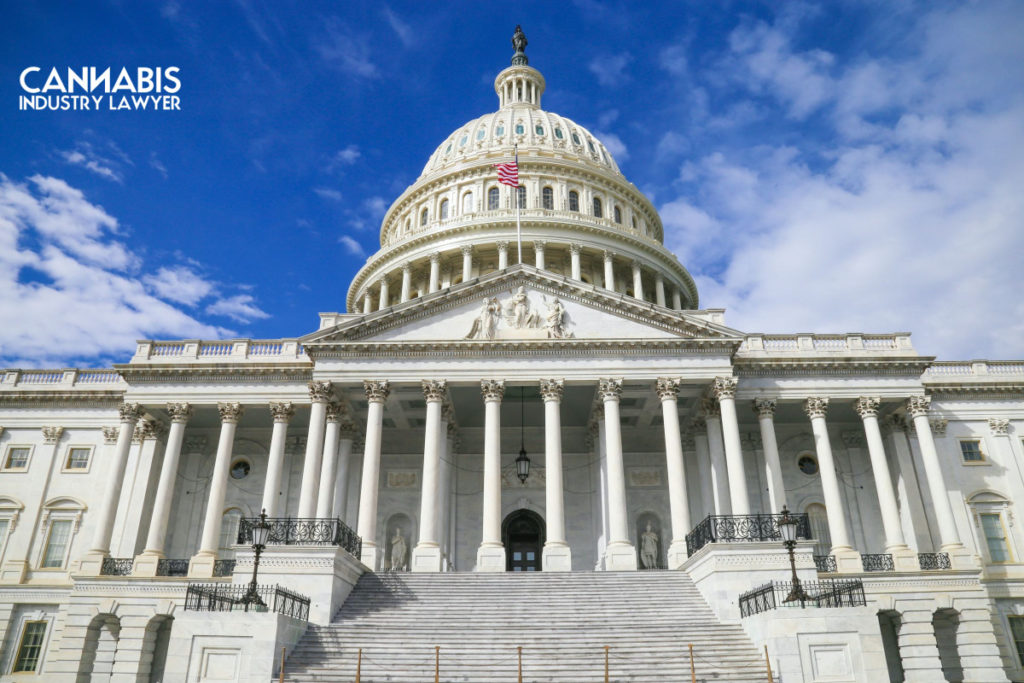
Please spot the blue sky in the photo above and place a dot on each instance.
(825, 167)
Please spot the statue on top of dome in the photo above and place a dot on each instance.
(519, 45)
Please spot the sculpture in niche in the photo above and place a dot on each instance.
(486, 322)
(398, 551)
(649, 548)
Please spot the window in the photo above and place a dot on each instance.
(1017, 632)
(448, 148)
(970, 449)
(444, 209)
(56, 544)
(634, 222)
(597, 208)
(31, 648)
(576, 139)
(574, 200)
(424, 216)
(229, 533)
(539, 129)
(5, 528)
(462, 142)
(520, 129)
(78, 458)
(467, 203)
(590, 144)
(995, 537)
(240, 469)
(548, 198)
(618, 215)
(17, 457)
(492, 199)
(499, 131)
(480, 134)
(558, 133)
(807, 464)
(521, 197)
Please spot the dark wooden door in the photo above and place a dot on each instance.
(523, 542)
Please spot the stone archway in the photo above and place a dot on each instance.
(522, 533)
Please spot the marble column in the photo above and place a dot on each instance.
(677, 300)
(368, 301)
(679, 506)
(847, 559)
(406, 282)
(556, 555)
(444, 505)
(765, 409)
(638, 281)
(620, 553)
(895, 543)
(202, 563)
(467, 262)
(574, 260)
(346, 438)
(376, 393)
(147, 563)
(329, 462)
(716, 457)
(502, 255)
(435, 273)
(282, 414)
(949, 537)
(426, 556)
(609, 271)
(490, 557)
(724, 389)
(385, 297)
(538, 253)
(130, 414)
(319, 395)
(659, 289)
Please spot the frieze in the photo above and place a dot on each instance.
(644, 477)
(402, 479)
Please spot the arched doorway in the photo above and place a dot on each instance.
(522, 532)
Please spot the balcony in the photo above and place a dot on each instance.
(742, 528)
(304, 531)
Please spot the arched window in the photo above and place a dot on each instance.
(499, 131)
(539, 129)
(634, 222)
(467, 203)
(548, 197)
(492, 199)
(597, 208)
(408, 224)
(521, 196)
(520, 130)
(618, 214)
(480, 134)
(424, 215)
(558, 133)
(574, 200)
(444, 209)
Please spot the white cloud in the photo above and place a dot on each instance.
(405, 33)
(611, 69)
(179, 284)
(157, 165)
(86, 156)
(328, 193)
(351, 246)
(673, 60)
(241, 308)
(614, 144)
(346, 51)
(344, 157)
(67, 295)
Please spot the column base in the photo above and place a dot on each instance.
(556, 558)
(201, 565)
(371, 555)
(490, 558)
(146, 564)
(903, 558)
(620, 557)
(677, 554)
(426, 558)
(960, 557)
(847, 560)
(92, 563)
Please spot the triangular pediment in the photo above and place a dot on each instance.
(522, 304)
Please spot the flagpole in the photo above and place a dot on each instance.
(519, 230)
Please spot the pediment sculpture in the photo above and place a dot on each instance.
(517, 318)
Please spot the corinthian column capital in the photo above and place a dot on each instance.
(492, 389)
(52, 435)
(610, 388)
(724, 387)
(867, 406)
(918, 405)
(320, 392)
(179, 412)
(551, 389)
(435, 390)
(764, 407)
(230, 412)
(377, 390)
(282, 412)
(667, 388)
(816, 406)
(130, 412)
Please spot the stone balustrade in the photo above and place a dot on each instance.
(194, 350)
(813, 344)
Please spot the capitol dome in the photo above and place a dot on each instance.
(578, 215)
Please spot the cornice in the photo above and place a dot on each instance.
(61, 399)
(524, 348)
(226, 372)
(846, 366)
(993, 391)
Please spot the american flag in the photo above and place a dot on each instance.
(508, 173)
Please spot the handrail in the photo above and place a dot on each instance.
(732, 528)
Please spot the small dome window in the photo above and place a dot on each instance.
(521, 197)
(558, 133)
(424, 217)
(520, 130)
(499, 131)
(444, 209)
(462, 142)
(634, 222)
(574, 200)
(467, 203)
(576, 139)
(548, 198)
(480, 134)
(604, 156)
(598, 209)
(448, 149)
(590, 143)
(492, 199)
(240, 469)
(618, 214)
(539, 129)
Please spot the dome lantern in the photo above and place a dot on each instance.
(519, 84)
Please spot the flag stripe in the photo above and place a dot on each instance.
(508, 173)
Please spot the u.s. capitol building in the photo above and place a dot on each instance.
(521, 448)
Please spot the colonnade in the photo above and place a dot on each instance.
(331, 435)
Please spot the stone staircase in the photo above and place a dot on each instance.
(561, 620)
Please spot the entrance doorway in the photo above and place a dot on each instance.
(522, 532)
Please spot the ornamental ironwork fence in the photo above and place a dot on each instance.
(881, 562)
(223, 567)
(933, 561)
(826, 564)
(300, 531)
(817, 594)
(738, 528)
(117, 566)
(212, 597)
(170, 567)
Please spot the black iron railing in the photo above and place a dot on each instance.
(826, 564)
(172, 567)
(881, 562)
(818, 594)
(212, 597)
(223, 567)
(932, 561)
(117, 566)
(299, 531)
(733, 528)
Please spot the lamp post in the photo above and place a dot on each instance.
(523, 461)
(787, 527)
(260, 534)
